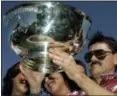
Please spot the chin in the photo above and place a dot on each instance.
(95, 74)
(54, 91)
(23, 89)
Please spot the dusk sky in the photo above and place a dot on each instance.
(103, 16)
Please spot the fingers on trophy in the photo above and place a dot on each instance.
(33, 28)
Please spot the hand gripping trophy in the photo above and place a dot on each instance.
(31, 26)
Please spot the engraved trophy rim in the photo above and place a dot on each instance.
(49, 21)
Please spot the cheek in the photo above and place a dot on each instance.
(15, 81)
(60, 83)
(16, 84)
(57, 86)
(108, 62)
(60, 79)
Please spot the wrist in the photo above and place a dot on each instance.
(35, 94)
(35, 89)
(79, 78)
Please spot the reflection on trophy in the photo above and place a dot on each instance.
(31, 27)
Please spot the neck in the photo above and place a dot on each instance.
(16, 93)
(98, 78)
(63, 92)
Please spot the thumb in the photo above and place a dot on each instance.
(42, 76)
(23, 70)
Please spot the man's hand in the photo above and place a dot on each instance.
(74, 72)
(66, 46)
(63, 59)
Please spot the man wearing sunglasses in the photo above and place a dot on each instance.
(102, 59)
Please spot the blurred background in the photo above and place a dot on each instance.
(103, 16)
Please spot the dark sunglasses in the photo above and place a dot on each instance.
(99, 54)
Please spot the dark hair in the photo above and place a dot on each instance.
(100, 38)
(79, 62)
(72, 85)
(8, 83)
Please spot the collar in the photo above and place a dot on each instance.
(107, 77)
(74, 93)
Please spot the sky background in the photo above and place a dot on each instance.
(103, 16)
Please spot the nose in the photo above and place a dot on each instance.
(46, 79)
(93, 58)
(22, 76)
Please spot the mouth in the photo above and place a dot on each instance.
(93, 64)
(50, 85)
(50, 82)
(24, 82)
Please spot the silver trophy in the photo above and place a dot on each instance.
(31, 27)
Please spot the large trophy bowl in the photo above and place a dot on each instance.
(31, 27)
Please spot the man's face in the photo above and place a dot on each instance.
(54, 83)
(101, 66)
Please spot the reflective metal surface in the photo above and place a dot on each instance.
(31, 26)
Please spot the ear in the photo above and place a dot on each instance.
(115, 58)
